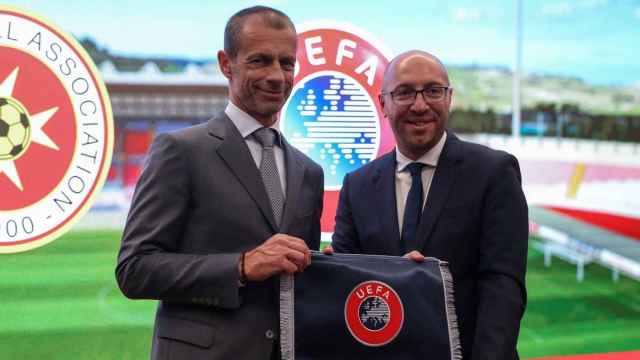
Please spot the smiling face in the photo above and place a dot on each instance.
(261, 74)
(419, 126)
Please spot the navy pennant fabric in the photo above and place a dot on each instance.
(346, 306)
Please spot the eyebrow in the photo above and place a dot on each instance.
(424, 86)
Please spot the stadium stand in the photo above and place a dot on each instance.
(580, 243)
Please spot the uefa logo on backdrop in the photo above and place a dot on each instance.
(333, 113)
(56, 131)
(373, 313)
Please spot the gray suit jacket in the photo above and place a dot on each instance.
(199, 203)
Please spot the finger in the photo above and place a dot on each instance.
(298, 258)
(298, 245)
(288, 241)
(287, 266)
(295, 243)
(328, 250)
(415, 256)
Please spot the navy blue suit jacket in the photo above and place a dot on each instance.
(475, 218)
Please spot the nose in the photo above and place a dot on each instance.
(276, 75)
(420, 104)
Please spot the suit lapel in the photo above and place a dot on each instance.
(384, 181)
(439, 190)
(234, 152)
(295, 174)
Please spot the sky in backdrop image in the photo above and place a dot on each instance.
(595, 40)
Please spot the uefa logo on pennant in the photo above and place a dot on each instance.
(333, 113)
(56, 131)
(374, 313)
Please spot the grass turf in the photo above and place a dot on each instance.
(61, 302)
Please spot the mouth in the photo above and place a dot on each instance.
(420, 123)
(278, 93)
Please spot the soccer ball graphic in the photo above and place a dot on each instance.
(15, 130)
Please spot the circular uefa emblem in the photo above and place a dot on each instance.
(374, 313)
(333, 114)
(56, 131)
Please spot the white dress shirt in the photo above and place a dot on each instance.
(246, 125)
(403, 176)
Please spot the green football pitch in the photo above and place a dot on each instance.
(61, 302)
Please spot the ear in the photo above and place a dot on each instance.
(381, 101)
(450, 97)
(225, 64)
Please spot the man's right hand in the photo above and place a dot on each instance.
(279, 254)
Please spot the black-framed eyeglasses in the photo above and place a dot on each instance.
(407, 95)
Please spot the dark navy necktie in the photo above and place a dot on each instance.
(413, 208)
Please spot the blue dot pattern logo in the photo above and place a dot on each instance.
(332, 118)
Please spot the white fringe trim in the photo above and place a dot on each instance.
(287, 320)
(452, 318)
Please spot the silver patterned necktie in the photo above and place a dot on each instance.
(269, 171)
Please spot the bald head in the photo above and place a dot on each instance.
(405, 59)
(416, 98)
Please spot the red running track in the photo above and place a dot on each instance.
(623, 225)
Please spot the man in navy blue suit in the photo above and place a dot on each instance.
(436, 195)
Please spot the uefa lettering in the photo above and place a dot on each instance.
(333, 114)
(56, 131)
(373, 313)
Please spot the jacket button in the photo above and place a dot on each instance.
(270, 334)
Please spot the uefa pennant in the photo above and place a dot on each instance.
(56, 131)
(376, 307)
(333, 114)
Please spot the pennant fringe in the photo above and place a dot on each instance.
(287, 320)
(452, 317)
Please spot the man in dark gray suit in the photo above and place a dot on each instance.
(439, 196)
(224, 207)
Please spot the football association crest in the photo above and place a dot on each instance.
(374, 313)
(56, 131)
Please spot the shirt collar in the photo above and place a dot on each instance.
(429, 158)
(246, 124)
